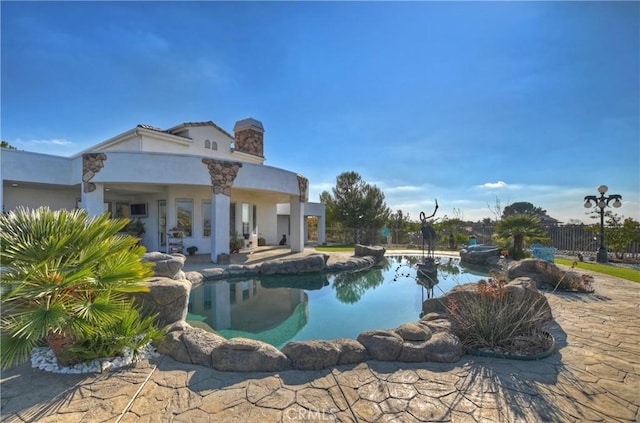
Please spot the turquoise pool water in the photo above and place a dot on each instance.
(288, 308)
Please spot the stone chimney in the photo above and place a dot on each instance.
(249, 137)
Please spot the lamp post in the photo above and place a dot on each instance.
(601, 203)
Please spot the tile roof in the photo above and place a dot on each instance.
(149, 127)
(207, 123)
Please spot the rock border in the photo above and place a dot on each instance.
(429, 339)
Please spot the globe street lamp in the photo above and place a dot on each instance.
(601, 203)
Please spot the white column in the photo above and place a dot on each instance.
(220, 204)
(296, 218)
(322, 229)
(93, 202)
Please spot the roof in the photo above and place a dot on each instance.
(248, 123)
(149, 127)
(177, 128)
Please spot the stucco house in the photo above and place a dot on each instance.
(194, 177)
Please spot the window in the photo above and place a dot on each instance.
(207, 144)
(184, 210)
(214, 145)
(206, 218)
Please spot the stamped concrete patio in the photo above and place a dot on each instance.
(593, 376)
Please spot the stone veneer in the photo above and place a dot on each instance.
(222, 173)
(249, 140)
(303, 186)
(91, 165)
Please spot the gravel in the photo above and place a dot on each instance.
(44, 359)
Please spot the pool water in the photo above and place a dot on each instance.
(280, 309)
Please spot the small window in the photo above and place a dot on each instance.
(214, 145)
(207, 144)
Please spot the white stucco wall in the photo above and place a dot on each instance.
(133, 143)
(54, 198)
(24, 166)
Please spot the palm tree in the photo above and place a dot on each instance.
(520, 227)
(65, 277)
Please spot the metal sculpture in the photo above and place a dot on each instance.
(428, 233)
(428, 269)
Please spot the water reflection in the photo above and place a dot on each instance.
(351, 286)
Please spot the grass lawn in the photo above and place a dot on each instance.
(336, 249)
(607, 269)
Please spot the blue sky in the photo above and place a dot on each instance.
(466, 102)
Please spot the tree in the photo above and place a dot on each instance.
(5, 144)
(523, 207)
(496, 209)
(398, 223)
(450, 228)
(619, 232)
(356, 206)
(519, 228)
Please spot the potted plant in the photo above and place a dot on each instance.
(192, 250)
(135, 228)
(235, 243)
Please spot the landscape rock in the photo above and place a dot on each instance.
(382, 345)
(190, 345)
(167, 297)
(480, 255)
(351, 351)
(368, 250)
(413, 332)
(413, 352)
(443, 347)
(248, 355)
(312, 263)
(312, 355)
(166, 265)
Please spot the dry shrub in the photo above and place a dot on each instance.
(499, 318)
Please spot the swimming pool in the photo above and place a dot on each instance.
(284, 308)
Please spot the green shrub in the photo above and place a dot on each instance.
(65, 281)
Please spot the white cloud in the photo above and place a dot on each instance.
(499, 184)
(405, 188)
(54, 141)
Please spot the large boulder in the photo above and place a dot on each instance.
(190, 345)
(443, 347)
(413, 331)
(383, 345)
(312, 355)
(312, 263)
(369, 250)
(248, 355)
(167, 297)
(480, 255)
(166, 265)
(351, 351)
(548, 275)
